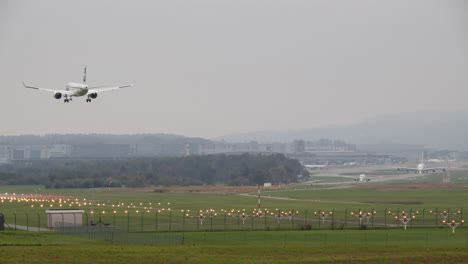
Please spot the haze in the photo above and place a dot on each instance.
(210, 68)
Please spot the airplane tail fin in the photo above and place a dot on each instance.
(84, 75)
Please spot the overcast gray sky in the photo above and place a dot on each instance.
(214, 67)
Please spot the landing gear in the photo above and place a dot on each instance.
(67, 100)
(88, 100)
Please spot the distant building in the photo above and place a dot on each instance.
(57, 151)
(244, 147)
(4, 154)
(409, 151)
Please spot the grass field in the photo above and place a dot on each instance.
(146, 210)
(137, 210)
(423, 246)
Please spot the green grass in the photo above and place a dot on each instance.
(229, 254)
(375, 198)
(133, 216)
(23, 238)
(240, 244)
(412, 246)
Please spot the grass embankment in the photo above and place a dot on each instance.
(51, 248)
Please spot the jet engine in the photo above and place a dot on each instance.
(57, 95)
(93, 95)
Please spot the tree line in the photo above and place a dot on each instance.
(245, 169)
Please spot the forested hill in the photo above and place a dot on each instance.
(243, 169)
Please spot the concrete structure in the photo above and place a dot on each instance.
(412, 152)
(4, 154)
(64, 216)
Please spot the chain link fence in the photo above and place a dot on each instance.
(179, 221)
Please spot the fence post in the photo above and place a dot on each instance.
(333, 219)
(27, 221)
(423, 216)
(320, 210)
(198, 222)
(128, 221)
(411, 215)
(346, 217)
(100, 221)
(398, 212)
(142, 212)
(2, 221)
(385, 218)
(436, 213)
(38, 222)
(292, 218)
(252, 222)
(87, 223)
(211, 220)
(14, 214)
(156, 221)
(224, 220)
(183, 220)
(306, 214)
(312, 221)
(114, 222)
(170, 219)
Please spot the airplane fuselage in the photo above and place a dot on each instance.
(420, 168)
(77, 89)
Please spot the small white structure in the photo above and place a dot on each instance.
(267, 184)
(62, 216)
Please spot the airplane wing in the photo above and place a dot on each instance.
(434, 169)
(47, 90)
(101, 89)
(407, 169)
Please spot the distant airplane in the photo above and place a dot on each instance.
(362, 178)
(317, 167)
(420, 168)
(79, 89)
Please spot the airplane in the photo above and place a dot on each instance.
(317, 167)
(362, 178)
(79, 89)
(420, 168)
